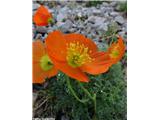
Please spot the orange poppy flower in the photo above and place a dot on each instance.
(42, 65)
(75, 54)
(42, 16)
(116, 50)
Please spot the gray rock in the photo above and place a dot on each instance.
(38, 36)
(88, 27)
(106, 15)
(119, 19)
(72, 30)
(59, 24)
(104, 27)
(62, 14)
(66, 26)
(109, 9)
(51, 10)
(35, 6)
(41, 29)
(61, 17)
(91, 19)
(89, 12)
(114, 13)
(92, 26)
(64, 9)
(103, 10)
(125, 25)
(99, 21)
(62, 3)
(122, 33)
(79, 14)
(96, 12)
(80, 26)
(124, 29)
(50, 29)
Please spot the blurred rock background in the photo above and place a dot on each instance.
(90, 18)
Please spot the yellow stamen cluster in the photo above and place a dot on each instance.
(115, 52)
(77, 54)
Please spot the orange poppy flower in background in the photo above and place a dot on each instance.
(42, 65)
(75, 54)
(116, 50)
(42, 16)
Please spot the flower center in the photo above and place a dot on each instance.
(50, 20)
(46, 63)
(114, 52)
(77, 54)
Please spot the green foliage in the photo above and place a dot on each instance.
(122, 6)
(109, 87)
(111, 33)
(93, 3)
(112, 29)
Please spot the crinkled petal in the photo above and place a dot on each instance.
(38, 50)
(56, 45)
(100, 64)
(120, 47)
(38, 74)
(75, 73)
(74, 37)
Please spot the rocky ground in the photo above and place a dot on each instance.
(91, 20)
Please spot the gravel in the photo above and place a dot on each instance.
(75, 17)
(119, 19)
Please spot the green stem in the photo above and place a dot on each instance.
(85, 90)
(95, 103)
(73, 92)
(90, 96)
(93, 98)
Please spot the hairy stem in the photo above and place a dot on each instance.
(85, 90)
(90, 96)
(73, 92)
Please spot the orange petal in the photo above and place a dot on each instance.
(73, 37)
(52, 72)
(41, 16)
(75, 73)
(38, 50)
(100, 64)
(120, 47)
(56, 45)
(38, 74)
